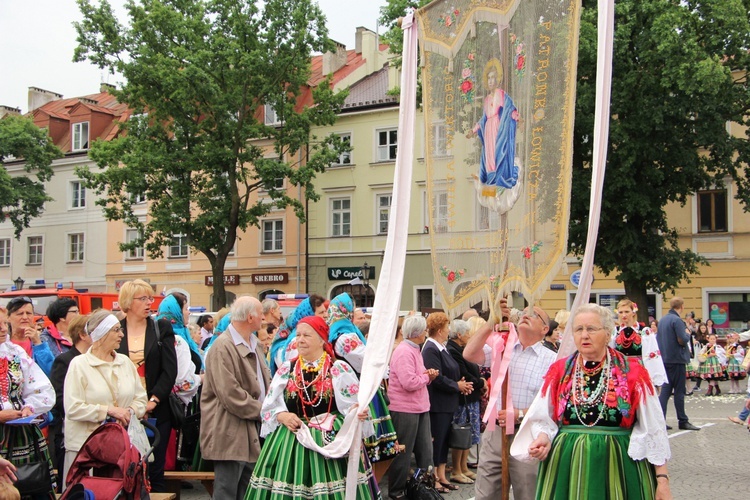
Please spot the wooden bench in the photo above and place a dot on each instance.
(206, 479)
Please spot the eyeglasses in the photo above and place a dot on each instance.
(116, 329)
(145, 299)
(533, 314)
(73, 311)
(588, 329)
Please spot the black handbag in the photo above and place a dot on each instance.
(460, 436)
(421, 486)
(177, 409)
(32, 478)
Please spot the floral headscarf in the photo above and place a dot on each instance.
(170, 309)
(339, 317)
(288, 330)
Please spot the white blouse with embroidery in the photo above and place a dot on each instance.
(28, 385)
(352, 349)
(345, 389)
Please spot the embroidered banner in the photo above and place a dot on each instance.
(498, 81)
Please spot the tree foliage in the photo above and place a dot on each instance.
(198, 74)
(21, 197)
(678, 79)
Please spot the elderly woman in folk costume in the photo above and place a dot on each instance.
(632, 340)
(349, 344)
(284, 345)
(596, 425)
(24, 391)
(315, 390)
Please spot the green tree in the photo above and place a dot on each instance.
(198, 74)
(678, 79)
(21, 197)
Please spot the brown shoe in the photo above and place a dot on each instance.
(736, 420)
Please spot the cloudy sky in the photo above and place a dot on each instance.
(37, 40)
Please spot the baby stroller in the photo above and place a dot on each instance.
(110, 467)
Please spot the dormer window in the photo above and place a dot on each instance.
(271, 118)
(80, 136)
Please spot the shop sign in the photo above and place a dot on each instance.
(229, 280)
(273, 278)
(349, 273)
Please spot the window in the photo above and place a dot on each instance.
(424, 299)
(138, 198)
(439, 140)
(439, 213)
(271, 118)
(277, 184)
(80, 136)
(341, 217)
(273, 235)
(77, 195)
(179, 247)
(387, 144)
(346, 157)
(36, 249)
(712, 211)
(132, 235)
(487, 220)
(75, 247)
(5, 252)
(384, 211)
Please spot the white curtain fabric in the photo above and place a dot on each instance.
(390, 282)
(601, 139)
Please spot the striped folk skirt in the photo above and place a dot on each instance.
(384, 444)
(287, 470)
(23, 437)
(593, 464)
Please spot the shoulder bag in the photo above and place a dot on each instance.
(32, 477)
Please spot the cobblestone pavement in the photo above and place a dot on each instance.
(710, 463)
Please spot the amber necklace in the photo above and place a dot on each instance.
(597, 395)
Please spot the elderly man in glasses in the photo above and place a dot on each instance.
(529, 362)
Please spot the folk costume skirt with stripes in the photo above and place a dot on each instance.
(593, 464)
(288, 470)
(23, 437)
(384, 444)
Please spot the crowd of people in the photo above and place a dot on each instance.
(271, 393)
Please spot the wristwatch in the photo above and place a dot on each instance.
(154, 400)
(520, 415)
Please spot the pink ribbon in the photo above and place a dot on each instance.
(498, 370)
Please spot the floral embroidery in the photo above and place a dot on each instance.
(452, 275)
(350, 391)
(350, 344)
(519, 56)
(468, 80)
(528, 251)
(450, 18)
(335, 371)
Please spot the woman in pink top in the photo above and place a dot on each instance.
(410, 404)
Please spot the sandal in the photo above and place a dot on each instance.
(470, 475)
(449, 486)
(440, 489)
(461, 479)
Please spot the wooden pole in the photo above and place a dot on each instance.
(506, 446)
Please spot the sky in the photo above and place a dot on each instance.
(37, 40)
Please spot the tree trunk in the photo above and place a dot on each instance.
(637, 293)
(220, 293)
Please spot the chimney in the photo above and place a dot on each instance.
(366, 43)
(106, 87)
(9, 110)
(333, 61)
(86, 100)
(39, 97)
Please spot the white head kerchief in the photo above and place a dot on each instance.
(103, 327)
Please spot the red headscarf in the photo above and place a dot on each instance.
(321, 328)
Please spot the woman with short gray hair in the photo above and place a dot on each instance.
(410, 404)
(468, 405)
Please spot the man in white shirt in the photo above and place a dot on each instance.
(529, 363)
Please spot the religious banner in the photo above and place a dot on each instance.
(498, 82)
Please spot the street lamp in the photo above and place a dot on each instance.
(19, 283)
(366, 282)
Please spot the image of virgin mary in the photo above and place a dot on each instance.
(497, 132)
